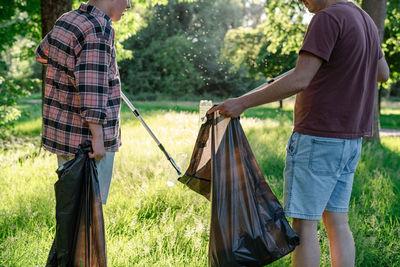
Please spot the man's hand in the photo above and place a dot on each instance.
(232, 107)
(97, 141)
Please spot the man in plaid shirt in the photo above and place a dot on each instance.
(82, 93)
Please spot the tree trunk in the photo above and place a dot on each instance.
(377, 11)
(380, 90)
(51, 10)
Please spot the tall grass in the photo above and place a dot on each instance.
(151, 224)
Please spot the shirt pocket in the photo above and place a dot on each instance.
(326, 156)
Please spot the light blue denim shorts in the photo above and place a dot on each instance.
(104, 170)
(319, 175)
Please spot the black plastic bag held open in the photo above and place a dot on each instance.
(80, 238)
(248, 225)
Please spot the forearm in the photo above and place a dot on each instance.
(41, 60)
(96, 130)
(97, 141)
(307, 66)
(285, 87)
(383, 70)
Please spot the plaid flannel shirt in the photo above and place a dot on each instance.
(82, 81)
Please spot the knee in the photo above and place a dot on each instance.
(301, 225)
(296, 222)
(335, 221)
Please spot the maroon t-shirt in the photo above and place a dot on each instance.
(340, 98)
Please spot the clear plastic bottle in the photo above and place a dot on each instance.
(204, 106)
(182, 160)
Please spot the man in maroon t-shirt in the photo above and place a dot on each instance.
(335, 79)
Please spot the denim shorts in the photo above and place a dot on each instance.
(104, 170)
(319, 175)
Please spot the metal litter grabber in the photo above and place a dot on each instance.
(136, 112)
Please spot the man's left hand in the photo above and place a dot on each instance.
(97, 141)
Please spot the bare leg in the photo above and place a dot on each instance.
(307, 253)
(341, 243)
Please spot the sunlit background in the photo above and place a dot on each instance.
(172, 54)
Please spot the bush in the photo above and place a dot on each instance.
(161, 68)
(395, 89)
(178, 53)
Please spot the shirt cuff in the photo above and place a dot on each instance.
(97, 116)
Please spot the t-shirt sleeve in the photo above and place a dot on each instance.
(321, 36)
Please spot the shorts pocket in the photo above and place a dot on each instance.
(352, 163)
(292, 144)
(326, 156)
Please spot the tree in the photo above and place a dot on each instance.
(19, 20)
(377, 11)
(51, 10)
(272, 47)
(177, 52)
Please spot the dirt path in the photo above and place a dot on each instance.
(390, 132)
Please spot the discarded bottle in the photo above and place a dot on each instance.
(182, 160)
(205, 105)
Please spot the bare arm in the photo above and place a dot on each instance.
(306, 68)
(97, 141)
(383, 70)
(41, 60)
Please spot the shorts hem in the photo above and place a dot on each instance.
(303, 216)
(337, 209)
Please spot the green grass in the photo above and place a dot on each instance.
(390, 118)
(151, 224)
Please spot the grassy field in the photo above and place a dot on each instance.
(151, 224)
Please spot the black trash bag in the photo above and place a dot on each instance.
(80, 235)
(248, 225)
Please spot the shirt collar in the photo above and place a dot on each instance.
(94, 11)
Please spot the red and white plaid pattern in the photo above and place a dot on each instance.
(82, 81)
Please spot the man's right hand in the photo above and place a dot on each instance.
(97, 141)
(232, 107)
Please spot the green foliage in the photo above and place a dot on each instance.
(177, 52)
(19, 18)
(168, 73)
(391, 44)
(16, 80)
(8, 95)
(272, 47)
(133, 20)
(19, 31)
